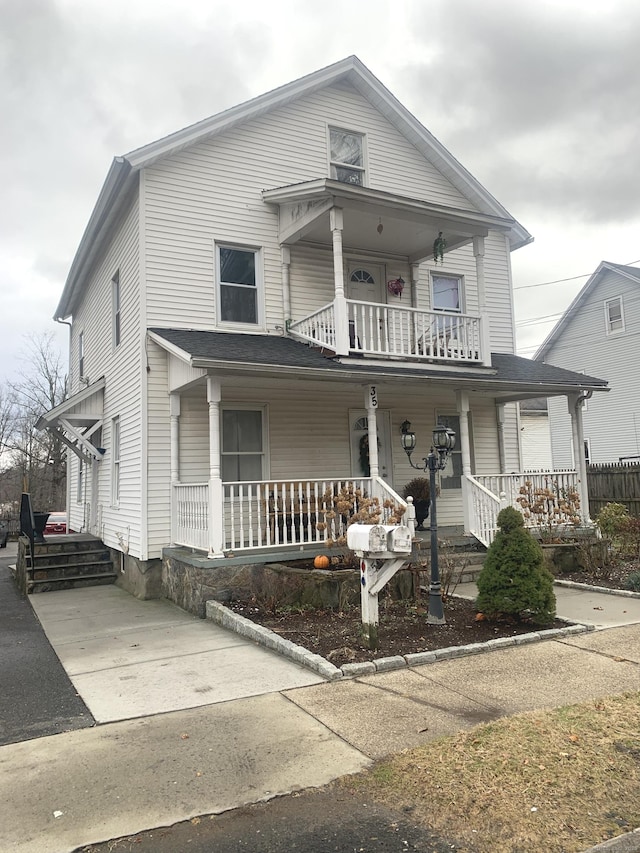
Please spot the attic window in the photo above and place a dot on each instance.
(346, 154)
(614, 318)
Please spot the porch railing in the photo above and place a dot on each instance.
(191, 514)
(488, 494)
(387, 330)
(298, 512)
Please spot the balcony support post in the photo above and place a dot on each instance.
(216, 498)
(575, 402)
(371, 404)
(286, 284)
(340, 302)
(485, 332)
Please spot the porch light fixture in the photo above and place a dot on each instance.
(443, 440)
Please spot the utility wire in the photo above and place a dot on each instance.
(561, 280)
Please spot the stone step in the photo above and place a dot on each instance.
(70, 558)
(73, 582)
(72, 571)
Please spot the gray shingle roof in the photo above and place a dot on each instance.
(273, 351)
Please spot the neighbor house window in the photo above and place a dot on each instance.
(243, 445)
(451, 477)
(238, 285)
(81, 354)
(446, 292)
(614, 315)
(115, 296)
(587, 451)
(115, 461)
(346, 155)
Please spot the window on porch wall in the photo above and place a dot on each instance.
(451, 477)
(242, 445)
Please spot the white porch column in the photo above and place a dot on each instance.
(575, 402)
(462, 402)
(500, 425)
(339, 301)
(174, 414)
(216, 498)
(415, 278)
(485, 333)
(286, 284)
(371, 404)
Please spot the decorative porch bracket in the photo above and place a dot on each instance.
(82, 447)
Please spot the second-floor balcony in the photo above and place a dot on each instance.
(386, 331)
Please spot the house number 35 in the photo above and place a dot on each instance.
(373, 397)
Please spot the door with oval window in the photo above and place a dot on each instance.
(364, 282)
(359, 441)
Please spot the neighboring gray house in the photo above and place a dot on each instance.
(259, 303)
(535, 438)
(599, 334)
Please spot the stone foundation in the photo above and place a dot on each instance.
(141, 578)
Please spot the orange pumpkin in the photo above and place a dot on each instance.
(321, 562)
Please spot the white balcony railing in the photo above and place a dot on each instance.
(318, 328)
(386, 330)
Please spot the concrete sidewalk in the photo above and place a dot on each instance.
(60, 792)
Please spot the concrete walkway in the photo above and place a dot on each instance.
(284, 731)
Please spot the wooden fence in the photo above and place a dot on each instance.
(617, 482)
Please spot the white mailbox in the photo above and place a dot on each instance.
(379, 539)
(399, 540)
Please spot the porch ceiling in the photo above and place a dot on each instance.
(509, 378)
(409, 226)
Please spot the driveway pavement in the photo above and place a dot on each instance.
(187, 734)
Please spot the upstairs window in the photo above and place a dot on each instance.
(346, 155)
(446, 293)
(81, 355)
(238, 285)
(614, 316)
(115, 299)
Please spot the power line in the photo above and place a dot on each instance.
(561, 280)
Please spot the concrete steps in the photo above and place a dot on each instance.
(64, 562)
(460, 557)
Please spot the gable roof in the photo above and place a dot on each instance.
(122, 176)
(632, 273)
(510, 376)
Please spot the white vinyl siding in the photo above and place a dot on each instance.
(535, 438)
(195, 198)
(584, 345)
(123, 371)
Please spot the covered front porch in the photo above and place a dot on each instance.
(294, 438)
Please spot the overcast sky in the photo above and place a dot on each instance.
(538, 100)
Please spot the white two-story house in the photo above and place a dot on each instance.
(600, 333)
(260, 302)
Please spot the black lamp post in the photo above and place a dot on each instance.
(443, 442)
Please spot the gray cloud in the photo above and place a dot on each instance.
(541, 99)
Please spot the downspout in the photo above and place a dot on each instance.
(581, 467)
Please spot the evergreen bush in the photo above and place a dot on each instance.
(514, 580)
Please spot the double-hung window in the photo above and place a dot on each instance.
(243, 445)
(115, 461)
(238, 274)
(81, 355)
(451, 477)
(614, 316)
(446, 292)
(115, 300)
(346, 156)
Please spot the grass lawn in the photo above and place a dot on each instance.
(555, 781)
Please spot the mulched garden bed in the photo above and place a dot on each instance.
(614, 576)
(336, 636)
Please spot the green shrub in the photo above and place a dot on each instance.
(633, 582)
(611, 519)
(514, 580)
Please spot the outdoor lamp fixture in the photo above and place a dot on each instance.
(443, 440)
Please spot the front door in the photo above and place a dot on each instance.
(364, 281)
(359, 438)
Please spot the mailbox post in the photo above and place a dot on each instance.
(383, 550)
